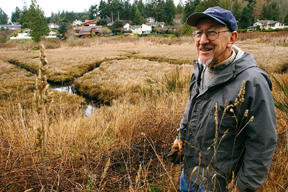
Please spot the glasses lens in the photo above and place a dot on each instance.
(212, 35)
(197, 34)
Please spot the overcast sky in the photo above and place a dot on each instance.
(48, 6)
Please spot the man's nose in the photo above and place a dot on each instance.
(203, 39)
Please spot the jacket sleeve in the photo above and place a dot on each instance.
(184, 121)
(261, 136)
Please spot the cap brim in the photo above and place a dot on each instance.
(195, 17)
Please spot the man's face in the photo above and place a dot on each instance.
(211, 52)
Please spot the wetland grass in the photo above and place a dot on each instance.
(107, 151)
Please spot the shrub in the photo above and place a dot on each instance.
(186, 30)
(35, 47)
(117, 27)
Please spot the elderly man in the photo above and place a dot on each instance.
(227, 131)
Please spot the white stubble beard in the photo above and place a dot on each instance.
(206, 63)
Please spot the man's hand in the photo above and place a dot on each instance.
(232, 187)
(179, 144)
(235, 189)
(176, 153)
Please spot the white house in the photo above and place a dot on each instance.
(269, 24)
(126, 27)
(53, 26)
(136, 29)
(146, 29)
(52, 35)
(143, 29)
(77, 23)
(23, 35)
(151, 21)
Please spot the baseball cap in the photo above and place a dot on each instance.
(223, 16)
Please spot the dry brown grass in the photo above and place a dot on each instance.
(67, 63)
(78, 147)
(128, 77)
(108, 151)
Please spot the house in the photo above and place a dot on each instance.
(110, 24)
(77, 23)
(268, 24)
(141, 29)
(126, 27)
(53, 26)
(26, 35)
(151, 21)
(88, 28)
(146, 29)
(52, 35)
(136, 29)
(23, 35)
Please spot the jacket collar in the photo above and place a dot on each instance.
(242, 62)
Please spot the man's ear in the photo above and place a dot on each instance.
(233, 38)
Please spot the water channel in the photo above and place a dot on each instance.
(69, 89)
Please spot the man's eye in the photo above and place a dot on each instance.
(198, 33)
(211, 32)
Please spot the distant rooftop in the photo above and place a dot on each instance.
(12, 27)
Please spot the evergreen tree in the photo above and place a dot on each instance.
(93, 11)
(149, 9)
(62, 31)
(37, 22)
(159, 10)
(115, 9)
(125, 14)
(225, 4)
(170, 11)
(271, 12)
(103, 10)
(180, 8)
(3, 17)
(186, 30)
(24, 20)
(237, 10)
(189, 8)
(141, 8)
(137, 18)
(15, 17)
(286, 20)
(246, 18)
(205, 4)
(117, 27)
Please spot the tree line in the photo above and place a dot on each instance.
(245, 11)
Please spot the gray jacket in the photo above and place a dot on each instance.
(229, 132)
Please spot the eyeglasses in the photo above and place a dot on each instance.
(211, 35)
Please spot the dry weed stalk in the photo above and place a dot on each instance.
(103, 176)
(160, 160)
(41, 98)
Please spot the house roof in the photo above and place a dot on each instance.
(11, 26)
(267, 22)
(93, 21)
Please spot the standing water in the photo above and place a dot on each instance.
(69, 89)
